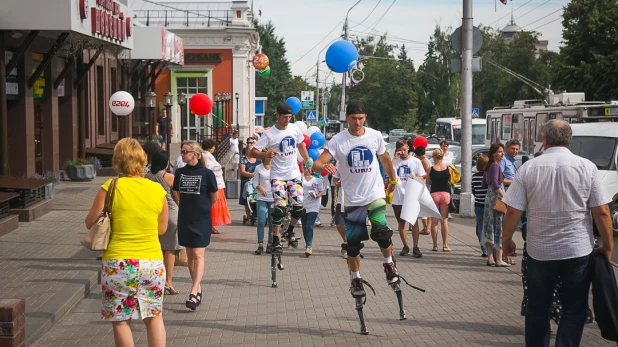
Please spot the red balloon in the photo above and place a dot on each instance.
(200, 104)
(307, 141)
(324, 173)
(420, 141)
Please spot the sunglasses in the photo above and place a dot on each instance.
(183, 152)
(250, 143)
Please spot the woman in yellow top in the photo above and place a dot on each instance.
(133, 276)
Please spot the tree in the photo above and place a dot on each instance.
(276, 86)
(590, 52)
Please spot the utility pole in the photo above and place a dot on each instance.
(317, 91)
(345, 74)
(466, 198)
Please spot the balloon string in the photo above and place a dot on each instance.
(219, 118)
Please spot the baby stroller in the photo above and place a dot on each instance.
(251, 195)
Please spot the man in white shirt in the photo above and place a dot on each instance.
(562, 193)
(234, 148)
(357, 151)
(406, 167)
(282, 142)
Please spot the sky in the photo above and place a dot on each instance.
(308, 26)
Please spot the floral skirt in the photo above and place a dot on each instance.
(132, 288)
(219, 212)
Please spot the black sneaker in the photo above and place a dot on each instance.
(416, 252)
(405, 251)
(392, 276)
(259, 250)
(277, 248)
(357, 288)
(269, 248)
(524, 307)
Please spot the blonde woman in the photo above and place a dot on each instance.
(439, 178)
(198, 189)
(133, 274)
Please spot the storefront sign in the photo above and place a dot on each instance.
(108, 21)
(173, 47)
(38, 89)
(202, 58)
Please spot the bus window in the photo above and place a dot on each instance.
(507, 119)
(518, 126)
(541, 118)
(555, 115)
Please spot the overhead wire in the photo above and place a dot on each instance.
(370, 13)
(520, 17)
(542, 25)
(381, 17)
(558, 10)
(322, 40)
(506, 15)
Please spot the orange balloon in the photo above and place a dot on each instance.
(260, 61)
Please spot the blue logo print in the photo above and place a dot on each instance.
(287, 147)
(403, 172)
(360, 159)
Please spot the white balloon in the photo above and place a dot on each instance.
(312, 129)
(302, 126)
(121, 103)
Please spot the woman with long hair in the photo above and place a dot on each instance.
(133, 274)
(492, 220)
(479, 199)
(220, 211)
(247, 169)
(169, 241)
(439, 178)
(198, 190)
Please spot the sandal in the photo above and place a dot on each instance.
(170, 290)
(424, 232)
(190, 304)
(199, 297)
(434, 249)
(215, 231)
(509, 260)
(446, 249)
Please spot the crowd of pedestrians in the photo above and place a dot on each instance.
(161, 211)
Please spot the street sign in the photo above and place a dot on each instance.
(475, 112)
(306, 99)
(311, 116)
(477, 40)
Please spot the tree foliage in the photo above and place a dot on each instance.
(588, 59)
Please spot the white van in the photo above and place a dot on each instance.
(598, 142)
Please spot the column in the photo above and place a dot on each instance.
(21, 123)
(67, 120)
(239, 85)
(49, 106)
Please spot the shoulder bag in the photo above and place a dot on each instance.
(97, 238)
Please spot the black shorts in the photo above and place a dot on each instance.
(397, 210)
(338, 216)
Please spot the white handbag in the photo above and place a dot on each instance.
(97, 238)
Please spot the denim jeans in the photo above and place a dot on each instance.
(264, 209)
(575, 275)
(479, 211)
(308, 220)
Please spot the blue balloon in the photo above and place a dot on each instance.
(341, 56)
(313, 153)
(317, 140)
(294, 103)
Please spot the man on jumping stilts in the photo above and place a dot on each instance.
(357, 151)
(282, 142)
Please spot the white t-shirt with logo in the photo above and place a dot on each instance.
(316, 185)
(284, 165)
(357, 163)
(403, 169)
(262, 178)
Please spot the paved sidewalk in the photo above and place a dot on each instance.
(466, 303)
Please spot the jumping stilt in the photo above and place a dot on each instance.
(402, 311)
(275, 263)
(359, 308)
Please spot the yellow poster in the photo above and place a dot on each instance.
(38, 89)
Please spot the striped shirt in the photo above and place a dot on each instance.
(558, 189)
(478, 190)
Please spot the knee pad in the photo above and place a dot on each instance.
(382, 235)
(385, 244)
(278, 214)
(353, 249)
(297, 212)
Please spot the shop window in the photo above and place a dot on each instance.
(101, 104)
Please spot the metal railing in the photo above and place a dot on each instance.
(186, 18)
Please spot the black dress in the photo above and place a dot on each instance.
(195, 183)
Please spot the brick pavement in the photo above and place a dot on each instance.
(466, 303)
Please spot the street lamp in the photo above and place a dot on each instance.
(182, 101)
(218, 106)
(151, 104)
(237, 119)
(167, 102)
